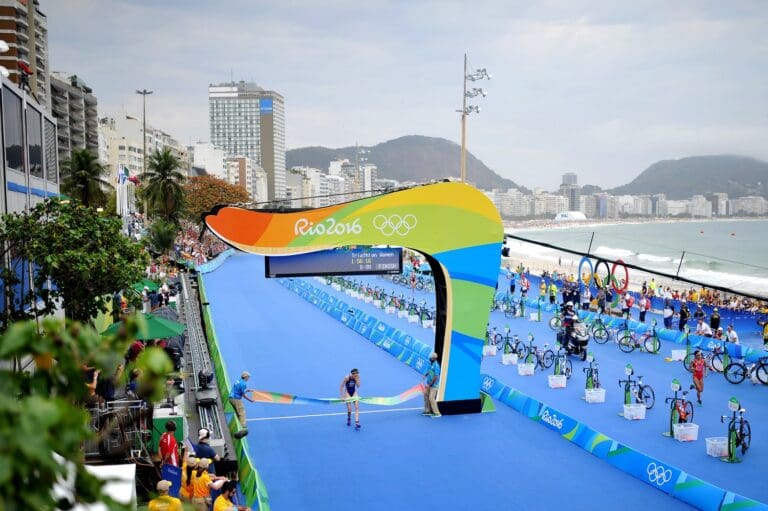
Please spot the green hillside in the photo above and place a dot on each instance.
(410, 158)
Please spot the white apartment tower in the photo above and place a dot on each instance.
(248, 121)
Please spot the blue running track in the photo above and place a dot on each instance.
(309, 459)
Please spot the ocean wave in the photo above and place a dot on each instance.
(653, 258)
(613, 252)
(744, 283)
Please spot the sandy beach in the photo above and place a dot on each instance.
(563, 262)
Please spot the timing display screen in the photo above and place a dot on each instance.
(346, 261)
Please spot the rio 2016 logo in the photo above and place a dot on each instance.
(330, 226)
(552, 420)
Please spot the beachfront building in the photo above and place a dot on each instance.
(246, 173)
(548, 204)
(719, 203)
(699, 206)
(210, 158)
(125, 147)
(247, 120)
(748, 206)
(314, 187)
(74, 107)
(25, 28)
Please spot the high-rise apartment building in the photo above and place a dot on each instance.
(74, 107)
(25, 28)
(246, 174)
(570, 178)
(246, 120)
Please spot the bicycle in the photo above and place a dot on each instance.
(512, 342)
(648, 341)
(714, 360)
(556, 321)
(739, 432)
(509, 305)
(636, 389)
(680, 408)
(736, 372)
(593, 376)
(538, 357)
(492, 337)
(598, 330)
(562, 364)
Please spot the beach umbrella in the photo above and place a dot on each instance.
(139, 286)
(154, 328)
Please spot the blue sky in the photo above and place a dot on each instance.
(603, 89)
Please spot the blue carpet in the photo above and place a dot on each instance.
(399, 460)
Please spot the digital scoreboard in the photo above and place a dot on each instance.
(343, 261)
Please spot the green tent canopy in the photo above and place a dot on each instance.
(152, 285)
(154, 327)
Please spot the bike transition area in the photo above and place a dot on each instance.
(309, 459)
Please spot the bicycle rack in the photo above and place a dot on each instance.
(733, 434)
(674, 415)
(591, 373)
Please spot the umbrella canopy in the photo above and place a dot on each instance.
(154, 328)
(139, 286)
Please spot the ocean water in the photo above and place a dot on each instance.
(731, 254)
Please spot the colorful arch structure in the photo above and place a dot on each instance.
(454, 225)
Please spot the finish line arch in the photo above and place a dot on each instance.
(454, 225)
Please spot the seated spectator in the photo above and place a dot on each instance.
(702, 328)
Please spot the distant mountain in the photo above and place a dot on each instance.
(738, 176)
(410, 158)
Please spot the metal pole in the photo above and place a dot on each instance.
(144, 93)
(677, 274)
(590, 243)
(463, 163)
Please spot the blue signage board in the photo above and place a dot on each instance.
(265, 105)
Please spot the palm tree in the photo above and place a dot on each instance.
(162, 234)
(84, 178)
(164, 185)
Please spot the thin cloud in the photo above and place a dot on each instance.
(601, 89)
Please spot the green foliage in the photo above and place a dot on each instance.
(41, 415)
(163, 185)
(84, 178)
(83, 253)
(204, 192)
(738, 176)
(162, 235)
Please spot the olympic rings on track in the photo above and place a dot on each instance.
(614, 280)
(588, 283)
(601, 282)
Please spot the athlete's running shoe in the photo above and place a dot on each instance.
(357, 425)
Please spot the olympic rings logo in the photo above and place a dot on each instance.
(395, 224)
(658, 474)
(488, 383)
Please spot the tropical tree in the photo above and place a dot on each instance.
(83, 253)
(162, 234)
(43, 423)
(204, 192)
(163, 185)
(84, 178)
